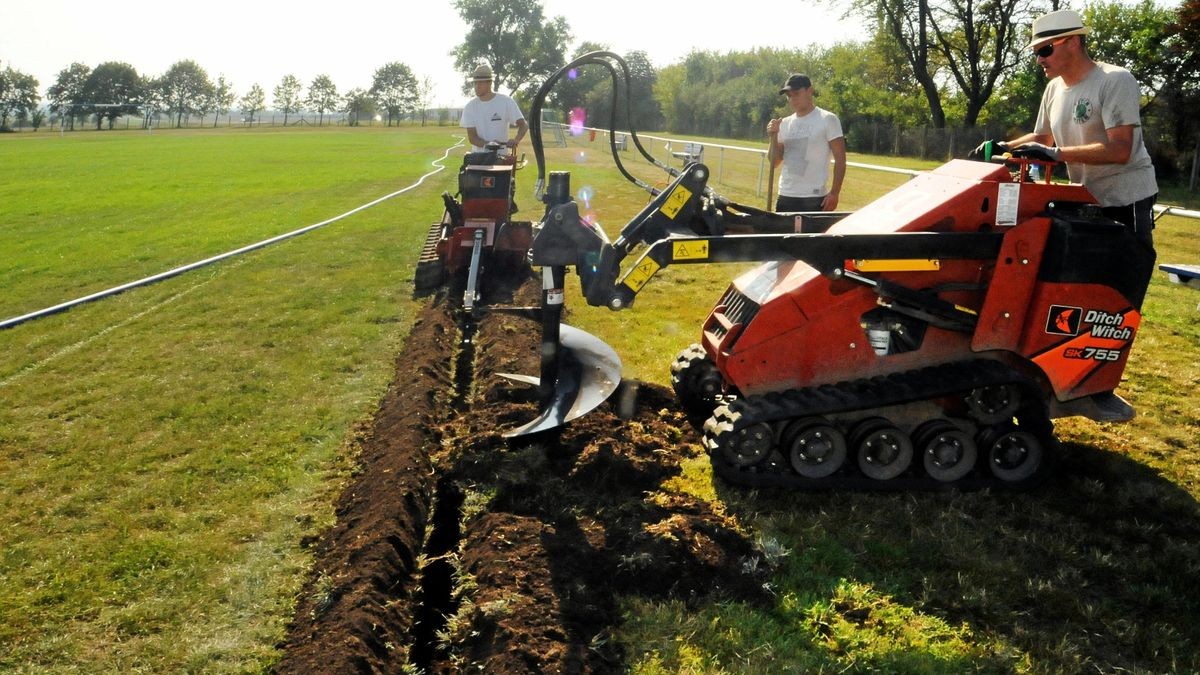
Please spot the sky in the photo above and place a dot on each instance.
(261, 42)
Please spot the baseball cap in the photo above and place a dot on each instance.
(796, 81)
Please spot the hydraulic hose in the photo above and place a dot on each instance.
(18, 320)
(606, 59)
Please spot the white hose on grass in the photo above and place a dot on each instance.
(17, 320)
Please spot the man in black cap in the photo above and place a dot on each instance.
(1090, 119)
(803, 143)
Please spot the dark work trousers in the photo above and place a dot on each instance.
(798, 204)
(1138, 216)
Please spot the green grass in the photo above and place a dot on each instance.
(164, 452)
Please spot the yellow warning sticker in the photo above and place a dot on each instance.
(675, 201)
(640, 274)
(689, 250)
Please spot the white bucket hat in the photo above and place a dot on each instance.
(1062, 23)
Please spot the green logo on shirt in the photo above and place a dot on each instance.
(1083, 111)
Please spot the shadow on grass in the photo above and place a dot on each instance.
(1095, 570)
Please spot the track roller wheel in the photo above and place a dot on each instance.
(994, 404)
(947, 452)
(749, 446)
(1014, 454)
(814, 447)
(696, 381)
(883, 450)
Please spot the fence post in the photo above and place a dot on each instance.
(1195, 167)
(762, 160)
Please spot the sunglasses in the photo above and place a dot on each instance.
(1047, 49)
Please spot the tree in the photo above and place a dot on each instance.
(1185, 42)
(322, 96)
(358, 105)
(425, 97)
(395, 90)
(66, 94)
(522, 46)
(111, 90)
(973, 43)
(18, 95)
(643, 106)
(1183, 94)
(1134, 37)
(184, 87)
(287, 96)
(252, 103)
(872, 91)
(1158, 46)
(587, 93)
(220, 98)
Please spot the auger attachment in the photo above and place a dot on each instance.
(578, 370)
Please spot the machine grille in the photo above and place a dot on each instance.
(734, 308)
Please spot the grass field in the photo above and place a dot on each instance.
(166, 450)
(164, 453)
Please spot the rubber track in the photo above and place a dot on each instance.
(866, 396)
(430, 270)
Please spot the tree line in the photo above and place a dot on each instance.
(922, 64)
(114, 89)
(967, 73)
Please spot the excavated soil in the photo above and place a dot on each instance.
(456, 550)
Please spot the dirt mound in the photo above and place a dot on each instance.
(456, 550)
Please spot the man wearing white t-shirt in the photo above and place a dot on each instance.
(803, 143)
(488, 116)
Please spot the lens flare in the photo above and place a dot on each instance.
(572, 73)
(591, 218)
(577, 121)
(585, 195)
(581, 157)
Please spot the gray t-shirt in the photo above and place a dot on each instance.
(1108, 97)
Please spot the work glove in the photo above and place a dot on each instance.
(987, 150)
(1043, 153)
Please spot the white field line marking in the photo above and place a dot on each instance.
(72, 348)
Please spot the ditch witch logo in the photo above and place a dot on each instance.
(1063, 320)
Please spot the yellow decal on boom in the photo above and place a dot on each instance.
(675, 201)
(640, 274)
(915, 265)
(689, 250)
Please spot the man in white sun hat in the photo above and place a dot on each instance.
(488, 116)
(1089, 118)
